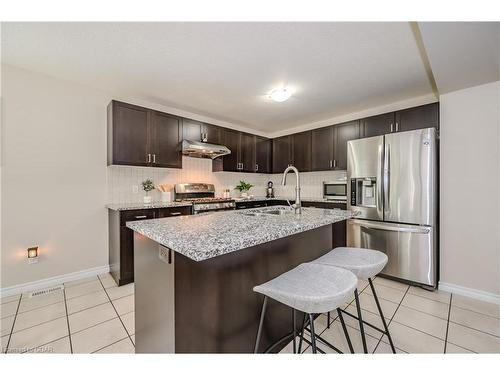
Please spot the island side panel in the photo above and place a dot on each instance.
(154, 297)
(215, 307)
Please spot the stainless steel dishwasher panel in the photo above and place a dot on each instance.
(410, 248)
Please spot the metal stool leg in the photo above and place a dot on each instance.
(302, 333)
(294, 322)
(259, 331)
(360, 318)
(328, 320)
(313, 334)
(382, 316)
(345, 330)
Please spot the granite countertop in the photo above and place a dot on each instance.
(291, 199)
(139, 205)
(205, 236)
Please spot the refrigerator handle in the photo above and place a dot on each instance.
(389, 227)
(380, 204)
(387, 171)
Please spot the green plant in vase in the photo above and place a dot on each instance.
(147, 186)
(243, 188)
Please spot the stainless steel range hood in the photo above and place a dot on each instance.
(203, 149)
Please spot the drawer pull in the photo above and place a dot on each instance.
(141, 217)
(175, 213)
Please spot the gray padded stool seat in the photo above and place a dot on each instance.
(365, 264)
(310, 288)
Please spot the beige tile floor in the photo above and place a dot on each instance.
(419, 321)
(91, 315)
(95, 316)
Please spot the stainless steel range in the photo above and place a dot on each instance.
(202, 196)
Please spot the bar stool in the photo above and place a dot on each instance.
(365, 264)
(311, 289)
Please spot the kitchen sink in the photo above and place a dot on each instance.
(272, 211)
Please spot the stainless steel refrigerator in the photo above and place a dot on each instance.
(393, 185)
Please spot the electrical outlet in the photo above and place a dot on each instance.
(135, 189)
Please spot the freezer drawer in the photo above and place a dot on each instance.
(410, 248)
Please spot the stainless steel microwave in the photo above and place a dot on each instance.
(335, 190)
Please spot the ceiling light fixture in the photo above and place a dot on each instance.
(280, 95)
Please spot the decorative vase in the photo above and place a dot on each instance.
(148, 199)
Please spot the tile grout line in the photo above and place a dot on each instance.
(13, 323)
(447, 326)
(107, 346)
(51, 320)
(119, 317)
(390, 320)
(67, 321)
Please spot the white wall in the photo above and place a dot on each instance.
(470, 188)
(53, 176)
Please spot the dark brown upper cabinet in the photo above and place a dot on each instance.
(282, 153)
(301, 150)
(343, 133)
(424, 116)
(128, 134)
(193, 130)
(212, 133)
(166, 131)
(142, 137)
(378, 125)
(231, 139)
(247, 152)
(242, 146)
(263, 149)
(322, 141)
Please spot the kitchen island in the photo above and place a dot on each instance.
(194, 276)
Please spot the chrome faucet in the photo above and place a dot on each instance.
(297, 206)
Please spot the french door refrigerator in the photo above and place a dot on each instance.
(393, 187)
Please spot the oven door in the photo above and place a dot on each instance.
(335, 190)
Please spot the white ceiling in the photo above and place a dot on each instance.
(225, 70)
(462, 54)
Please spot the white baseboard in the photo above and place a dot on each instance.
(472, 293)
(51, 281)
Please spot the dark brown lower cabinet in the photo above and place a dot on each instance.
(121, 238)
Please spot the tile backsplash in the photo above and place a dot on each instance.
(122, 179)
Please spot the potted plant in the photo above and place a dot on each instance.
(147, 186)
(243, 188)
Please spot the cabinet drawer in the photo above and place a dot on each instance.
(174, 211)
(134, 215)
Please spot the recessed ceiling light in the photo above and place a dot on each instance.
(280, 95)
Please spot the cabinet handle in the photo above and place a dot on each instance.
(256, 167)
(154, 158)
(334, 163)
(331, 164)
(175, 213)
(141, 217)
(149, 158)
(392, 127)
(397, 126)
